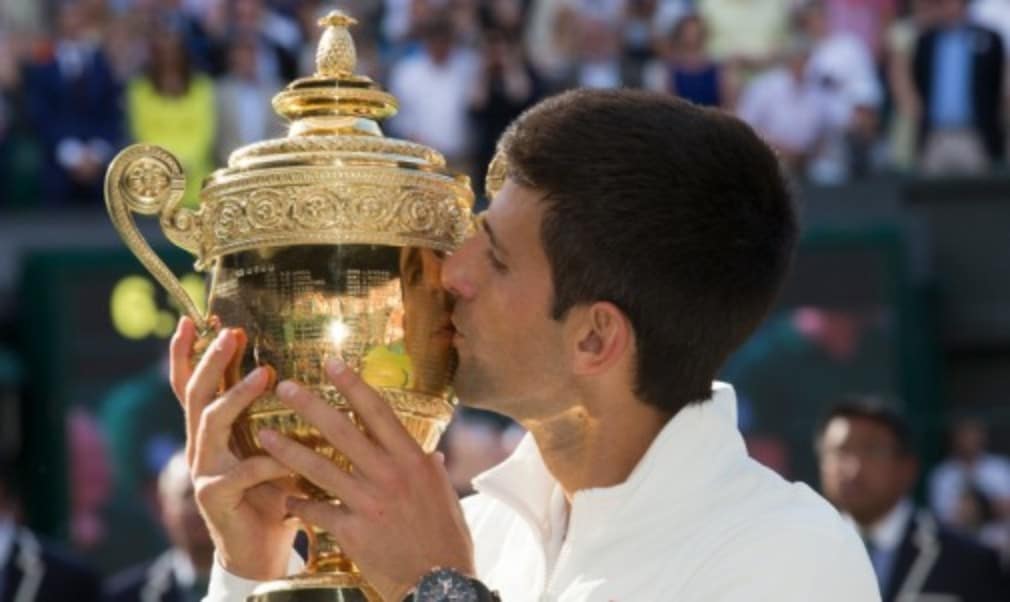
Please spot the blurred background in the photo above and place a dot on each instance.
(890, 116)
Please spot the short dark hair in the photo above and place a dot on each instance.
(678, 215)
(876, 409)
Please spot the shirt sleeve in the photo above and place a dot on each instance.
(226, 587)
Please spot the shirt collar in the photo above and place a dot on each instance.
(886, 533)
(706, 429)
(182, 569)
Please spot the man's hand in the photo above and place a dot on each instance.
(399, 516)
(242, 501)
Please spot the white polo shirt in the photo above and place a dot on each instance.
(697, 521)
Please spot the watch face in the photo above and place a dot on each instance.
(445, 585)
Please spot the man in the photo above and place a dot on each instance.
(32, 570)
(634, 240)
(868, 470)
(970, 466)
(959, 77)
(73, 102)
(181, 573)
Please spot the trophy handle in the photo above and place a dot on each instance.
(149, 180)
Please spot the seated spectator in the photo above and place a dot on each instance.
(173, 106)
(432, 86)
(976, 517)
(841, 64)
(504, 87)
(751, 31)
(72, 100)
(970, 466)
(868, 470)
(243, 110)
(789, 111)
(866, 20)
(599, 60)
(688, 71)
(959, 78)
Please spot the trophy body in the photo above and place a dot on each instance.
(327, 243)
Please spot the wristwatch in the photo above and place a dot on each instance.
(447, 585)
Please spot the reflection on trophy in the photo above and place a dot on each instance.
(326, 243)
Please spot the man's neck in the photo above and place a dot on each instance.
(583, 450)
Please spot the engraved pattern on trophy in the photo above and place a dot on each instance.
(326, 243)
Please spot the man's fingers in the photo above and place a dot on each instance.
(180, 369)
(319, 470)
(374, 411)
(204, 382)
(215, 421)
(222, 493)
(334, 424)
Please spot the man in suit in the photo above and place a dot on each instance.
(958, 69)
(181, 573)
(868, 470)
(32, 570)
(74, 104)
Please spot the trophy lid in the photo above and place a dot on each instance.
(335, 178)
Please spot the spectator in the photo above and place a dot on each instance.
(752, 31)
(789, 111)
(173, 106)
(181, 573)
(551, 39)
(868, 470)
(995, 15)
(73, 101)
(277, 37)
(867, 20)
(843, 67)
(969, 467)
(504, 87)
(31, 569)
(907, 109)
(244, 113)
(433, 88)
(958, 72)
(976, 517)
(600, 62)
(688, 71)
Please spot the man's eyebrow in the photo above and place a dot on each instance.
(490, 234)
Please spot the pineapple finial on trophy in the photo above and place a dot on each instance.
(336, 56)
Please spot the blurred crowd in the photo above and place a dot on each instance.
(841, 88)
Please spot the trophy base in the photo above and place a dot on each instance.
(315, 588)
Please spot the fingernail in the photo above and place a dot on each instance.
(335, 366)
(255, 377)
(286, 388)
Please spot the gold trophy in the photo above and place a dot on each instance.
(326, 243)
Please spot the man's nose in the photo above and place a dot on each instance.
(457, 278)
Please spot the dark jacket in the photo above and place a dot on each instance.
(86, 107)
(37, 572)
(987, 61)
(152, 581)
(934, 562)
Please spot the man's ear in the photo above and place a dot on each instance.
(601, 336)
